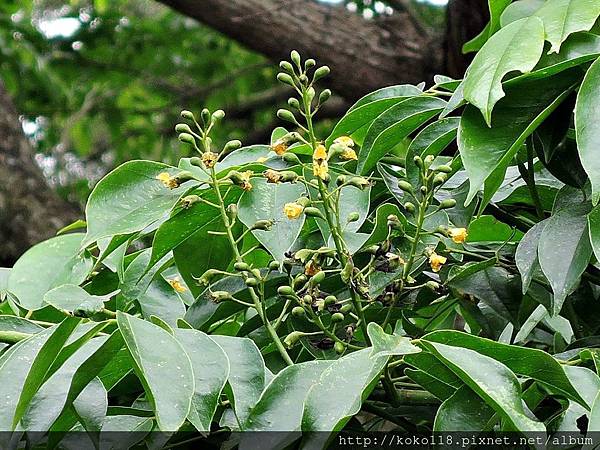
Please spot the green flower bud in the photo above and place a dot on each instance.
(321, 72)
(263, 225)
(189, 200)
(300, 281)
(188, 115)
(448, 203)
(303, 201)
(285, 65)
(205, 116)
(183, 128)
(337, 317)
(186, 138)
(232, 211)
(184, 176)
(285, 291)
(251, 282)
(256, 273)
(207, 276)
(241, 266)
(298, 311)
(231, 146)
(444, 169)
(286, 115)
(341, 179)
(274, 265)
(405, 186)
(317, 278)
(346, 272)
(433, 285)
(311, 211)
(307, 299)
(346, 308)
(330, 300)
(309, 64)
(353, 217)
(287, 176)
(372, 249)
(219, 296)
(196, 161)
(292, 338)
(439, 179)
(410, 207)
(394, 223)
(219, 114)
(310, 93)
(339, 347)
(295, 57)
(423, 190)
(428, 160)
(303, 79)
(285, 78)
(359, 182)
(293, 102)
(324, 95)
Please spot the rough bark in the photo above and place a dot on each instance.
(364, 55)
(30, 210)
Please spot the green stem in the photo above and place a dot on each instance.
(258, 305)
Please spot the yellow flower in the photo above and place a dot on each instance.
(346, 141)
(320, 153)
(320, 170)
(246, 185)
(348, 154)
(177, 285)
(458, 235)
(209, 159)
(272, 176)
(311, 268)
(293, 210)
(168, 180)
(436, 261)
(280, 146)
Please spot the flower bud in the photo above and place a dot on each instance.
(286, 115)
(188, 115)
(341, 179)
(295, 57)
(183, 128)
(205, 116)
(321, 72)
(231, 146)
(285, 78)
(263, 225)
(251, 282)
(189, 200)
(311, 211)
(405, 186)
(337, 317)
(339, 347)
(444, 169)
(196, 161)
(186, 138)
(418, 162)
(309, 64)
(410, 207)
(433, 285)
(303, 201)
(359, 182)
(448, 203)
(218, 115)
(291, 158)
(285, 65)
(287, 176)
(317, 278)
(423, 190)
(300, 281)
(292, 338)
(232, 211)
(324, 95)
(353, 217)
(428, 160)
(394, 223)
(207, 276)
(219, 296)
(293, 102)
(307, 299)
(241, 266)
(285, 291)
(330, 300)
(298, 311)
(439, 179)
(274, 265)
(346, 308)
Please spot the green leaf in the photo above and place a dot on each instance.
(489, 229)
(516, 47)
(564, 251)
(433, 375)
(528, 362)
(491, 380)
(519, 10)
(281, 406)
(388, 345)
(464, 411)
(265, 202)
(45, 266)
(129, 199)
(483, 150)
(496, 8)
(336, 397)
(587, 117)
(167, 375)
(74, 299)
(18, 324)
(434, 138)
(246, 374)
(594, 228)
(24, 367)
(211, 370)
(393, 125)
(369, 107)
(526, 255)
(161, 300)
(564, 17)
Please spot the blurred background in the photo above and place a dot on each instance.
(87, 85)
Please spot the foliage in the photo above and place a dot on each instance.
(439, 248)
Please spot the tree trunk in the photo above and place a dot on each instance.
(30, 210)
(363, 54)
